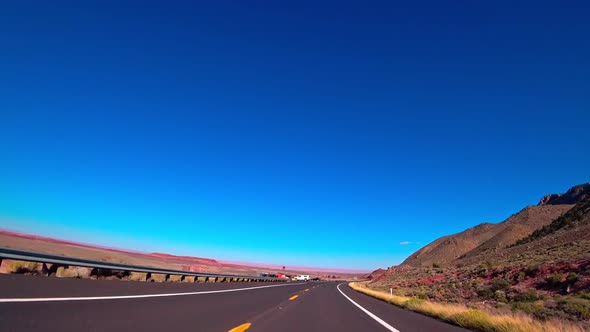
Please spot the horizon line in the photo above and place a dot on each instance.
(13, 232)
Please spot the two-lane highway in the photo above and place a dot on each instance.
(30, 303)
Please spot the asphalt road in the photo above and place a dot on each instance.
(53, 304)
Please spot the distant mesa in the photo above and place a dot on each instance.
(190, 259)
(42, 244)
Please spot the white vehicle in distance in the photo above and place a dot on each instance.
(303, 277)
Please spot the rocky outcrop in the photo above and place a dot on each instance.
(572, 196)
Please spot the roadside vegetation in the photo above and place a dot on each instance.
(19, 267)
(540, 282)
(554, 290)
(470, 317)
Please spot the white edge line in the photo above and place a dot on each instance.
(372, 315)
(119, 297)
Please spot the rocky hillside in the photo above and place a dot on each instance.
(545, 273)
(572, 196)
(489, 237)
(518, 226)
(448, 248)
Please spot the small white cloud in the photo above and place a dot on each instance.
(405, 243)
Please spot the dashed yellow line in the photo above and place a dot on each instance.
(241, 328)
(293, 297)
(307, 290)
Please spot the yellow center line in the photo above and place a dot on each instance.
(293, 297)
(307, 290)
(241, 328)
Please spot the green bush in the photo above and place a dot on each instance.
(500, 296)
(527, 307)
(530, 296)
(555, 280)
(572, 278)
(543, 314)
(485, 293)
(483, 272)
(500, 284)
(579, 308)
(532, 271)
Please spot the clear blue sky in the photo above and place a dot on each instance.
(319, 134)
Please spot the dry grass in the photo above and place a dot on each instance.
(470, 318)
(174, 278)
(189, 279)
(73, 272)
(20, 267)
(137, 276)
(158, 277)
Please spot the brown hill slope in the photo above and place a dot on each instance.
(448, 248)
(520, 225)
(484, 237)
(579, 215)
(490, 237)
(545, 275)
(567, 238)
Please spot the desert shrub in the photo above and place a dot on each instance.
(527, 307)
(485, 293)
(23, 267)
(500, 296)
(584, 295)
(521, 276)
(532, 271)
(422, 296)
(477, 320)
(500, 284)
(436, 265)
(430, 294)
(543, 314)
(572, 278)
(482, 272)
(579, 308)
(555, 280)
(530, 296)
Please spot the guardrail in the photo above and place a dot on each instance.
(29, 256)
